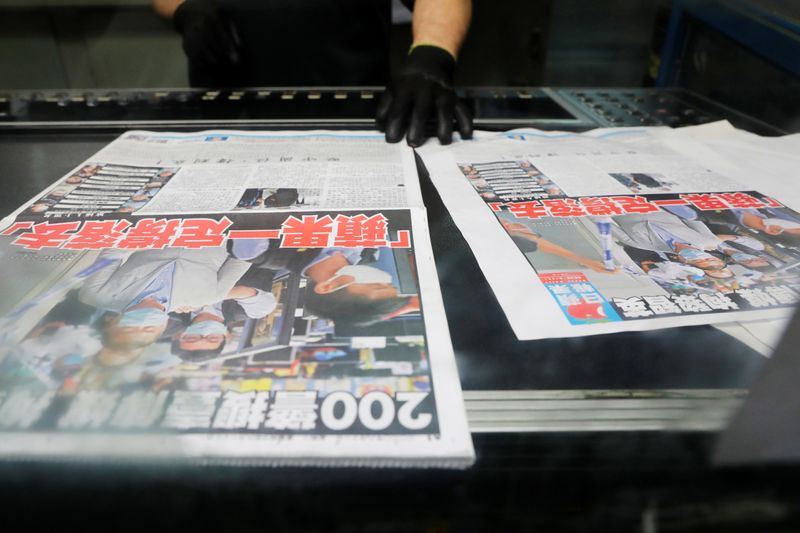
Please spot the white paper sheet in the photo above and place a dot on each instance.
(154, 307)
(656, 193)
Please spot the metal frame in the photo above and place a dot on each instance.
(579, 119)
(775, 39)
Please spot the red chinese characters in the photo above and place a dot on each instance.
(565, 207)
(96, 234)
(309, 231)
(150, 233)
(202, 232)
(360, 230)
(740, 200)
(635, 204)
(527, 209)
(705, 202)
(46, 235)
(601, 206)
(586, 206)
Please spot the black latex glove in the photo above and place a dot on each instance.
(209, 37)
(423, 88)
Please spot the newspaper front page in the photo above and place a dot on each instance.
(236, 297)
(616, 230)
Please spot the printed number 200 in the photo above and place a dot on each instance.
(362, 410)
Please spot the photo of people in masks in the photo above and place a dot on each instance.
(246, 316)
(687, 259)
(687, 250)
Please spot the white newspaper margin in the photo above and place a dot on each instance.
(453, 449)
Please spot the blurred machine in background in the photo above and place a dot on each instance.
(495, 108)
(122, 43)
(745, 54)
(741, 53)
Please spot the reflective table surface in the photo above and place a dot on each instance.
(551, 450)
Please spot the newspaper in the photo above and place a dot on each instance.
(214, 171)
(155, 307)
(619, 229)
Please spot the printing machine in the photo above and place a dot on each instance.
(634, 406)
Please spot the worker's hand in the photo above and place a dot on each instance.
(423, 88)
(209, 36)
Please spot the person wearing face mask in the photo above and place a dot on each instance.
(125, 336)
(749, 260)
(205, 337)
(746, 245)
(670, 274)
(711, 265)
(140, 288)
(353, 294)
(342, 285)
(749, 268)
(698, 258)
(666, 233)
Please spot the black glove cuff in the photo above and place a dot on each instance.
(431, 61)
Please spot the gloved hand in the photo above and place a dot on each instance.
(209, 36)
(423, 87)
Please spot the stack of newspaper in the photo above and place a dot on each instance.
(626, 229)
(236, 297)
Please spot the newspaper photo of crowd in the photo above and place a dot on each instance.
(686, 250)
(671, 257)
(248, 316)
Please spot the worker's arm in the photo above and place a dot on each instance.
(441, 23)
(165, 8)
(424, 86)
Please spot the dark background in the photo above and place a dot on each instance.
(622, 481)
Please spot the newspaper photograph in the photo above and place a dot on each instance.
(637, 246)
(271, 336)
